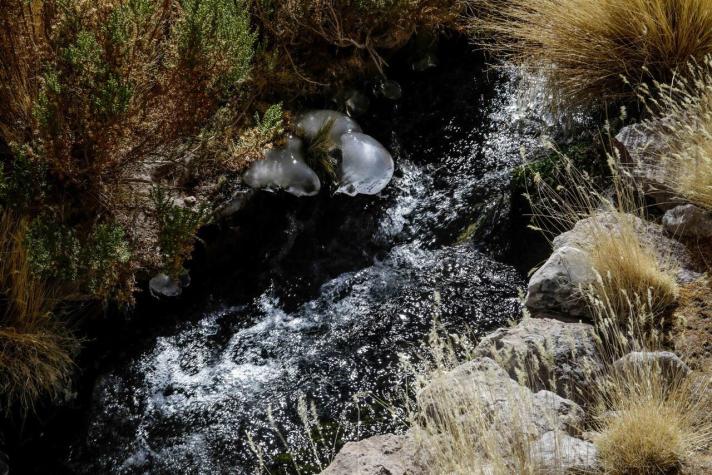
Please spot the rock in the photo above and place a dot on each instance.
(557, 453)
(555, 286)
(389, 89)
(669, 251)
(357, 103)
(669, 364)
(366, 166)
(379, 455)
(544, 353)
(162, 285)
(640, 149)
(688, 221)
(235, 203)
(190, 201)
(482, 385)
(284, 169)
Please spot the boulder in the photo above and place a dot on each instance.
(555, 286)
(688, 221)
(482, 385)
(556, 453)
(162, 285)
(669, 364)
(545, 353)
(640, 147)
(379, 455)
(650, 234)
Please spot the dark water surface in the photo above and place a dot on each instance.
(318, 297)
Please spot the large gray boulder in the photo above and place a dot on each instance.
(379, 455)
(545, 353)
(640, 147)
(688, 221)
(558, 454)
(555, 286)
(670, 366)
(483, 386)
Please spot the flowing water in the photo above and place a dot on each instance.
(318, 298)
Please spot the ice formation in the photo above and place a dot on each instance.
(366, 165)
(284, 169)
(310, 123)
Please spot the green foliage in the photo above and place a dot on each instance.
(103, 257)
(94, 263)
(126, 19)
(177, 227)
(216, 35)
(585, 155)
(53, 249)
(22, 179)
(271, 125)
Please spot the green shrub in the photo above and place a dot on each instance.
(95, 263)
(176, 229)
(216, 35)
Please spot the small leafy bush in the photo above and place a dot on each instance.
(96, 264)
(177, 227)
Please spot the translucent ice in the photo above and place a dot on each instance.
(284, 169)
(366, 165)
(310, 123)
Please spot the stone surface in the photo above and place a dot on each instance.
(640, 149)
(482, 385)
(545, 353)
(668, 363)
(558, 453)
(161, 285)
(688, 221)
(379, 455)
(235, 203)
(555, 286)
(554, 289)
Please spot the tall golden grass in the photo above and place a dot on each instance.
(36, 350)
(628, 268)
(650, 418)
(682, 122)
(597, 50)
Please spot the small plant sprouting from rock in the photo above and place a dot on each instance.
(177, 226)
(319, 154)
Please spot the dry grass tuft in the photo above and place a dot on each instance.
(629, 267)
(683, 123)
(593, 50)
(652, 423)
(36, 351)
(471, 424)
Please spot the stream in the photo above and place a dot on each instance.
(317, 299)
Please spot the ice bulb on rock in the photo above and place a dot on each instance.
(284, 169)
(312, 122)
(366, 166)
